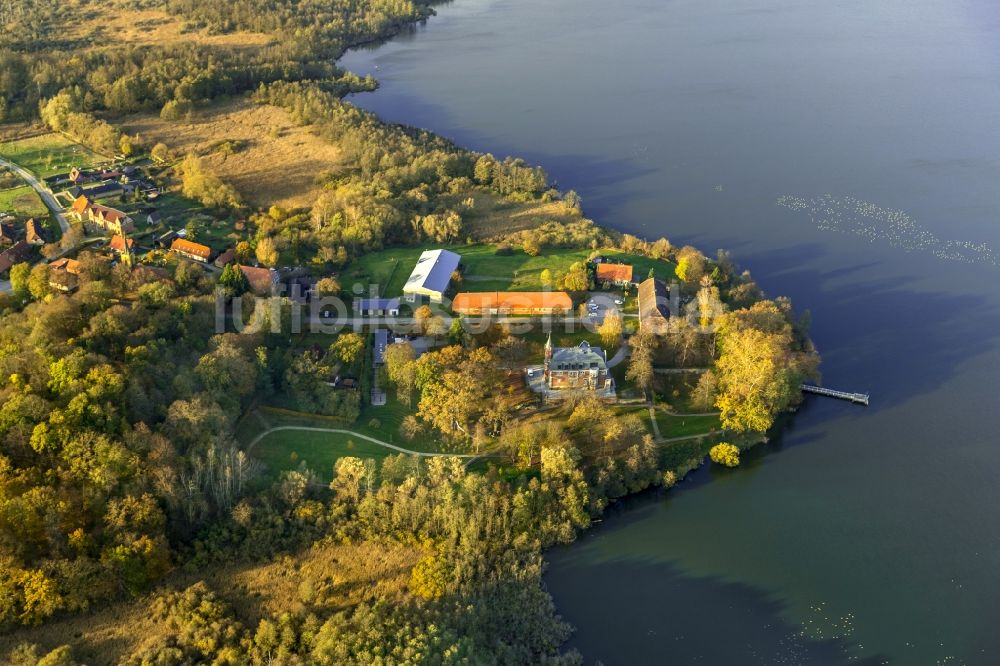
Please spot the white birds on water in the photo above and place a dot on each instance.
(894, 227)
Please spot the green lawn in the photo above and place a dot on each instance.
(23, 200)
(485, 270)
(663, 270)
(49, 154)
(286, 449)
(387, 269)
(682, 426)
(389, 417)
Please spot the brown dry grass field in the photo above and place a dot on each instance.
(492, 218)
(113, 25)
(272, 161)
(333, 576)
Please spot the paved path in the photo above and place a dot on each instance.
(685, 437)
(678, 371)
(422, 454)
(46, 196)
(619, 356)
(656, 426)
(5, 286)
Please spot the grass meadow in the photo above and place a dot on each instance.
(49, 154)
(487, 271)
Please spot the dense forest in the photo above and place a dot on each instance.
(42, 58)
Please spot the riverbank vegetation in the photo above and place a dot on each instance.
(137, 524)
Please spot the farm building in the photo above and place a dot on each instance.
(512, 303)
(616, 274)
(21, 251)
(100, 219)
(35, 233)
(226, 258)
(654, 306)
(8, 234)
(64, 275)
(432, 275)
(195, 251)
(262, 281)
(119, 243)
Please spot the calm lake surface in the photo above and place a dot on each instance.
(847, 151)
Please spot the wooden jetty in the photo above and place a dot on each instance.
(857, 398)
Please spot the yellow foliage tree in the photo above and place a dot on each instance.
(725, 454)
(610, 330)
(430, 577)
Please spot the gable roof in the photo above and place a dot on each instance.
(118, 243)
(654, 302)
(512, 300)
(16, 254)
(614, 272)
(34, 232)
(433, 271)
(68, 265)
(197, 249)
(103, 189)
(63, 280)
(261, 280)
(108, 214)
(80, 204)
(225, 258)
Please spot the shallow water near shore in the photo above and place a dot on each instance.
(848, 154)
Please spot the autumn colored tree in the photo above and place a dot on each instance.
(725, 454)
(640, 365)
(348, 347)
(690, 265)
(401, 369)
(610, 330)
(759, 371)
(267, 251)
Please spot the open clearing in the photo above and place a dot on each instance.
(486, 271)
(49, 154)
(257, 149)
(287, 449)
(105, 25)
(22, 200)
(492, 218)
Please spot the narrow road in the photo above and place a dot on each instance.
(337, 431)
(652, 422)
(46, 196)
(5, 286)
